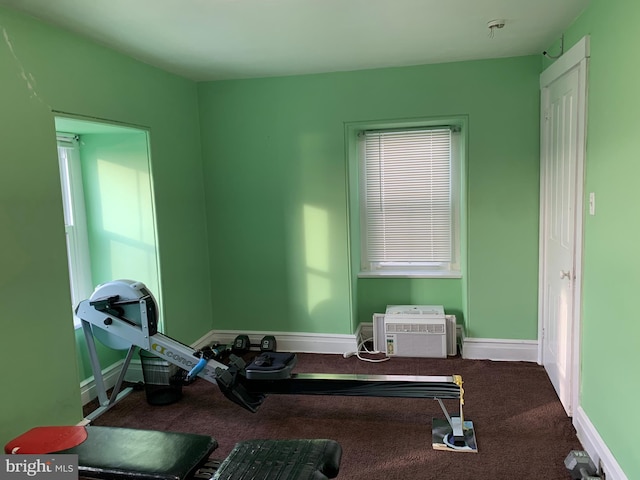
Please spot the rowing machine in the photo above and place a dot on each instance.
(123, 314)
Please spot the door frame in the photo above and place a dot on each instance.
(575, 58)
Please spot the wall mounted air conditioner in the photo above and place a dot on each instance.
(415, 331)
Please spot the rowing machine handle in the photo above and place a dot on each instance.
(197, 369)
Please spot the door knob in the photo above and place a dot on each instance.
(565, 274)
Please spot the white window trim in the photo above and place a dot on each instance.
(452, 270)
(78, 254)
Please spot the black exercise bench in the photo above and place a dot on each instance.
(110, 453)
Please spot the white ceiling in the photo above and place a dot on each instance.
(222, 39)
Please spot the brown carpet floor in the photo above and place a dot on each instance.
(521, 428)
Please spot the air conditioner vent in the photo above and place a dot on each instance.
(438, 328)
(433, 328)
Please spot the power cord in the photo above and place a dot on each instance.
(362, 348)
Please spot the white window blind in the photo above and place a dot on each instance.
(407, 198)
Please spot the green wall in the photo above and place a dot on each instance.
(375, 294)
(610, 328)
(119, 204)
(277, 197)
(43, 69)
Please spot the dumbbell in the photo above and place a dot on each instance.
(579, 463)
(268, 344)
(242, 343)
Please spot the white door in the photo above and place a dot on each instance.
(559, 231)
(562, 144)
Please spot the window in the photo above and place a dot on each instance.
(75, 224)
(409, 182)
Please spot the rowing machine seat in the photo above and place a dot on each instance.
(271, 366)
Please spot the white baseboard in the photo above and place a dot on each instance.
(596, 447)
(110, 377)
(480, 348)
(500, 349)
(292, 342)
(207, 339)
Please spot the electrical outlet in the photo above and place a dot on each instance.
(592, 203)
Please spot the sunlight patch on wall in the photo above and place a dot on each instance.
(126, 202)
(316, 243)
(316, 238)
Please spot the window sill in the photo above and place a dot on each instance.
(416, 274)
